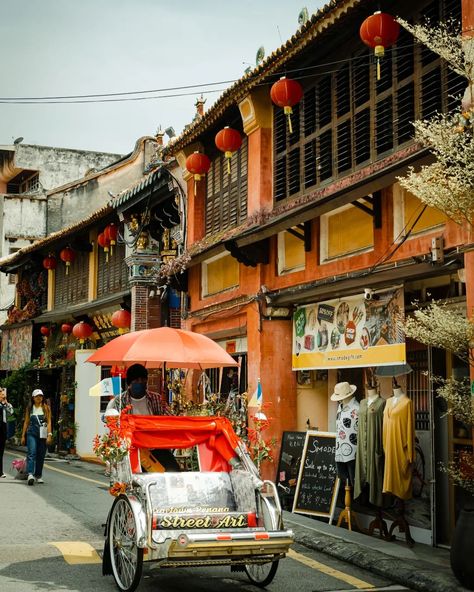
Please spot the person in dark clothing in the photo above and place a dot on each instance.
(144, 402)
(5, 410)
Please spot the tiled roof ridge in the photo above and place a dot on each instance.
(54, 236)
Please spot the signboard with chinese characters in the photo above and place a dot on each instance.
(350, 332)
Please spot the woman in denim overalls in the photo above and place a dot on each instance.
(37, 434)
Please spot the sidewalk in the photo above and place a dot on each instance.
(422, 568)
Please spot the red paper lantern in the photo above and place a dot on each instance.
(45, 331)
(67, 255)
(104, 242)
(198, 164)
(50, 262)
(228, 140)
(111, 233)
(122, 319)
(379, 31)
(286, 93)
(66, 328)
(82, 331)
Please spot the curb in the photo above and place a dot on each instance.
(412, 574)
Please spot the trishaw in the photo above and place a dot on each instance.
(221, 514)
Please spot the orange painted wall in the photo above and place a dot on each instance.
(260, 182)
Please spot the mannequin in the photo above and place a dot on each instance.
(398, 444)
(347, 426)
(399, 448)
(369, 460)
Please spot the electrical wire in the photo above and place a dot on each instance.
(125, 95)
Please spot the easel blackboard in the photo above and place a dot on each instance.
(318, 484)
(292, 444)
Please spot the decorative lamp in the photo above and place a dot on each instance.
(111, 232)
(228, 140)
(67, 255)
(104, 242)
(286, 93)
(50, 262)
(122, 319)
(379, 31)
(82, 331)
(198, 164)
(45, 331)
(66, 328)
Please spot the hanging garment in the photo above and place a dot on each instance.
(399, 447)
(346, 430)
(370, 457)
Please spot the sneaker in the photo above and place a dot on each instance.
(3, 476)
(39, 479)
(31, 480)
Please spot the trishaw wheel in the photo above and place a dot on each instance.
(125, 556)
(261, 574)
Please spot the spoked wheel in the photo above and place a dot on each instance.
(261, 574)
(125, 557)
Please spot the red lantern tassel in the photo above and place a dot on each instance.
(288, 111)
(67, 267)
(228, 155)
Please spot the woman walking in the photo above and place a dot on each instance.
(5, 410)
(37, 434)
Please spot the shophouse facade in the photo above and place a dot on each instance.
(70, 277)
(27, 174)
(316, 217)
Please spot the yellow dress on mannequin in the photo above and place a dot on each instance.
(399, 446)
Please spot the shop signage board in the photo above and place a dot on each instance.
(350, 332)
(318, 484)
(292, 444)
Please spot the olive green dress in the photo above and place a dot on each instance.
(370, 456)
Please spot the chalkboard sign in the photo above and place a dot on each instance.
(292, 444)
(318, 484)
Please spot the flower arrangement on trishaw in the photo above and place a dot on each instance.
(222, 514)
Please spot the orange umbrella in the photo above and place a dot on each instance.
(163, 347)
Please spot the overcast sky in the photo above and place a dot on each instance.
(77, 47)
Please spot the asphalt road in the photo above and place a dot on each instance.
(51, 537)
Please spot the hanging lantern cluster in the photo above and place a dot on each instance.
(198, 164)
(67, 255)
(122, 319)
(228, 140)
(107, 239)
(82, 331)
(379, 31)
(111, 233)
(286, 93)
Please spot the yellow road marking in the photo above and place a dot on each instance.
(76, 552)
(330, 571)
(74, 475)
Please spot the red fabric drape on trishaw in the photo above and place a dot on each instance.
(215, 436)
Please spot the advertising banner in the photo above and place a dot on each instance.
(350, 332)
